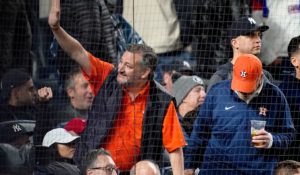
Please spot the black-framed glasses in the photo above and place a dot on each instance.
(108, 169)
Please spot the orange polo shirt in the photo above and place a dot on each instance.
(124, 141)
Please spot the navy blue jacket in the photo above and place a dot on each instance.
(291, 89)
(222, 132)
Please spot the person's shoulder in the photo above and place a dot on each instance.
(223, 73)
(290, 82)
(272, 90)
(63, 168)
(220, 87)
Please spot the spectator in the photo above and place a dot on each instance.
(222, 126)
(177, 66)
(80, 95)
(245, 37)
(287, 167)
(15, 149)
(80, 98)
(76, 126)
(290, 86)
(210, 21)
(119, 92)
(20, 97)
(98, 161)
(162, 25)
(275, 42)
(59, 146)
(189, 92)
(145, 167)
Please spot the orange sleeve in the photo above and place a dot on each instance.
(99, 71)
(173, 137)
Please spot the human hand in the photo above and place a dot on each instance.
(54, 15)
(261, 139)
(44, 94)
(189, 172)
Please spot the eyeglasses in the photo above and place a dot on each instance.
(108, 169)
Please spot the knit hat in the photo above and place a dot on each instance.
(184, 85)
(58, 135)
(12, 79)
(246, 71)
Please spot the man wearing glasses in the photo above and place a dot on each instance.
(99, 161)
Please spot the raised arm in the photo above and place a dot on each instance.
(69, 44)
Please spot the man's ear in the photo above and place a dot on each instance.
(14, 93)
(234, 43)
(294, 61)
(70, 92)
(146, 73)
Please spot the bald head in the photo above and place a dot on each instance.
(145, 167)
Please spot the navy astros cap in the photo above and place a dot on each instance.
(245, 26)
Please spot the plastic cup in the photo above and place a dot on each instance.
(257, 125)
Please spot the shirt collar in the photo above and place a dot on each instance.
(143, 91)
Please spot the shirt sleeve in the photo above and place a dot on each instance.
(173, 137)
(99, 72)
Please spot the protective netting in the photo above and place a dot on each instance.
(101, 92)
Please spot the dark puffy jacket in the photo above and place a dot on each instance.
(16, 161)
(105, 109)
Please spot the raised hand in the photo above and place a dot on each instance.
(54, 15)
(44, 94)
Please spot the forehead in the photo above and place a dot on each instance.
(132, 58)
(251, 34)
(79, 78)
(104, 160)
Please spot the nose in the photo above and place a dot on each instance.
(120, 67)
(258, 39)
(202, 94)
(89, 89)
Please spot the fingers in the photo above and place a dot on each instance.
(54, 15)
(45, 94)
(189, 172)
(261, 139)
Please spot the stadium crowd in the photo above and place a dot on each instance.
(150, 87)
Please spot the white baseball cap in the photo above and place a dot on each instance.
(58, 135)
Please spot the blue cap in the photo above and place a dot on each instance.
(245, 26)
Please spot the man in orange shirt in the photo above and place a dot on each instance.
(130, 117)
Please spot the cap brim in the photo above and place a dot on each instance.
(262, 28)
(258, 28)
(243, 85)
